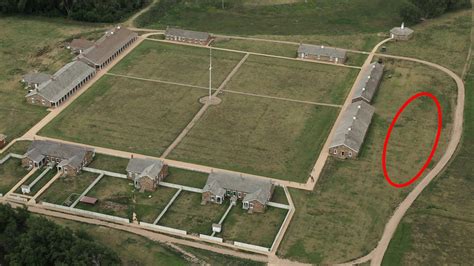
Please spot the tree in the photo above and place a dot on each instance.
(410, 13)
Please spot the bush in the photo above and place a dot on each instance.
(410, 13)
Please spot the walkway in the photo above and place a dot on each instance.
(131, 21)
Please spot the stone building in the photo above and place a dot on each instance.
(78, 46)
(254, 193)
(187, 36)
(368, 85)
(69, 159)
(322, 53)
(146, 173)
(108, 47)
(351, 130)
(401, 33)
(62, 85)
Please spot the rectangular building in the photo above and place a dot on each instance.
(369, 83)
(254, 193)
(146, 173)
(351, 130)
(322, 53)
(108, 47)
(69, 159)
(61, 85)
(187, 36)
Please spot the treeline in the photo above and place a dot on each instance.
(29, 240)
(415, 10)
(81, 10)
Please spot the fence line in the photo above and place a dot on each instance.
(87, 190)
(213, 238)
(84, 212)
(163, 228)
(185, 188)
(250, 246)
(108, 173)
(279, 205)
(167, 206)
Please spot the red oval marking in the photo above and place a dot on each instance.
(433, 149)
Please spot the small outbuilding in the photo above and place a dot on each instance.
(78, 46)
(368, 85)
(3, 141)
(351, 130)
(401, 33)
(322, 53)
(187, 36)
(88, 200)
(146, 173)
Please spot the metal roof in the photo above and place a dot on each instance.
(321, 50)
(255, 189)
(36, 78)
(63, 81)
(352, 128)
(369, 83)
(189, 34)
(71, 154)
(145, 167)
(112, 41)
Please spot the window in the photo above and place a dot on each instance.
(350, 154)
(335, 151)
(240, 194)
(213, 198)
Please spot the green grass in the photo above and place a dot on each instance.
(45, 179)
(148, 208)
(10, 173)
(177, 63)
(272, 48)
(441, 219)
(279, 196)
(293, 79)
(126, 114)
(109, 163)
(220, 259)
(355, 59)
(257, 228)
(186, 177)
(346, 213)
(63, 187)
(322, 17)
(259, 136)
(38, 47)
(444, 41)
(187, 213)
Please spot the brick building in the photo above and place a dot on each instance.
(322, 53)
(187, 36)
(146, 173)
(401, 33)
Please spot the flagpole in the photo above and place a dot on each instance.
(210, 73)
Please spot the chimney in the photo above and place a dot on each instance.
(358, 106)
(349, 129)
(368, 77)
(354, 118)
(131, 156)
(363, 89)
(403, 25)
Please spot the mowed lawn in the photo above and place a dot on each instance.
(256, 228)
(297, 80)
(63, 187)
(259, 136)
(126, 114)
(177, 63)
(346, 214)
(187, 213)
(257, 46)
(11, 172)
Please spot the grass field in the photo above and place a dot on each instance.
(438, 228)
(186, 177)
(177, 63)
(63, 187)
(10, 173)
(187, 213)
(114, 197)
(428, 43)
(126, 114)
(346, 213)
(259, 136)
(27, 44)
(293, 79)
(257, 228)
(280, 49)
(137, 250)
(109, 163)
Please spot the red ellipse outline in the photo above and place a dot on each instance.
(433, 149)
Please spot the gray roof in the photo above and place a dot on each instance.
(78, 44)
(321, 50)
(355, 122)
(2, 136)
(36, 78)
(189, 34)
(70, 154)
(401, 31)
(107, 45)
(255, 189)
(145, 167)
(63, 81)
(369, 83)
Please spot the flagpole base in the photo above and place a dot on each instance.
(211, 101)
